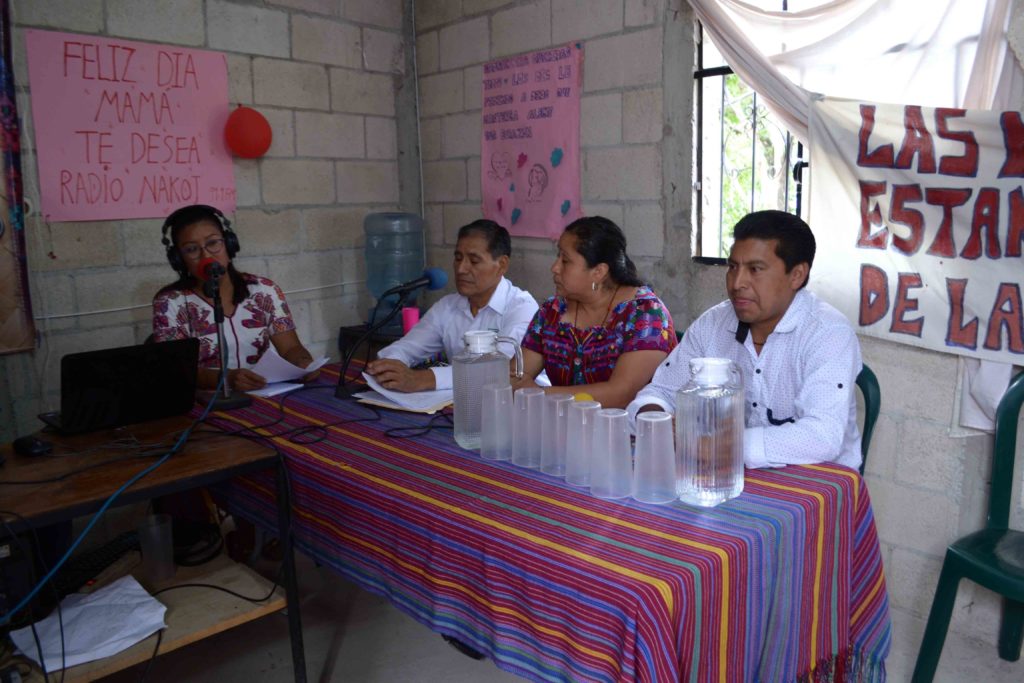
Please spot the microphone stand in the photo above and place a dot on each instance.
(345, 390)
(224, 399)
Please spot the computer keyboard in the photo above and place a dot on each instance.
(82, 568)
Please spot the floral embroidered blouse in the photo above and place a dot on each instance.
(588, 356)
(181, 314)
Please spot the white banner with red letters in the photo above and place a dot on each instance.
(919, 217)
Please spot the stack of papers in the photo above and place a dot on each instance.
(279, 373)
(417, 402)
(96, 625)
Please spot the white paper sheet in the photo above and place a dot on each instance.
(275, 389)
(96, 625)
(273, 368)
(424, 401)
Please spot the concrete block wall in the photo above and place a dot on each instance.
(623, 122)
(293, 60)
(326, 74)
(928, 480)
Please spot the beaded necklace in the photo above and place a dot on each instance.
(580, 343)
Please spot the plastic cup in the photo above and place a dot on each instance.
(553, 431)
(529, 405)
(410, 316)
(579, 439)
(496, 422)
(654, 467)
(157, 544)
(611, 469)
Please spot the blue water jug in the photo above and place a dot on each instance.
(394, 255)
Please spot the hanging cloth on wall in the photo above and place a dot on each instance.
(17, 331)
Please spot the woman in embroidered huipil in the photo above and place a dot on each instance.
(256, 314)
(604, 332)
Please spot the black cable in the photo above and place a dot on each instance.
(5, 618)
(32, 577)
(39, 649)
(273, 588)
(294, 435)
(281, 471)
(160, 633)
(295, 432)
(152, 658)
(370, 329)
(280, 408)
(410, 432)
(68, 475)
(145, 451)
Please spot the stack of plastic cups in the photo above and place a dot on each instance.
(611, 470)
(496, 422)
(529, 409)
(654, 467)
(579, 440)
(553, 432)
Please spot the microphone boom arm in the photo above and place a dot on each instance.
(342, 391)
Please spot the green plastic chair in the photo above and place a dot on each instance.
(992, 557)
(868, 384)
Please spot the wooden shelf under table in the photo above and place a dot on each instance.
(192, 613)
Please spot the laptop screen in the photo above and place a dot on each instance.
(113, 387)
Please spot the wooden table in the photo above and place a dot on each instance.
(101, 465)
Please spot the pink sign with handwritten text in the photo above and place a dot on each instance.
(530, 148)
(126, 129)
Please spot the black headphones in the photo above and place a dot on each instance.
(187, 215)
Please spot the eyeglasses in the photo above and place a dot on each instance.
(192, 251)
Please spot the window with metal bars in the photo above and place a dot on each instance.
(745, 159)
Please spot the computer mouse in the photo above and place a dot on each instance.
(31, 445)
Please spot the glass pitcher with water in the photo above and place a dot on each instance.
(477, 365)
(709, 433)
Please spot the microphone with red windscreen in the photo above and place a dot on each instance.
(209, 269)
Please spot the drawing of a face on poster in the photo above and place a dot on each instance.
(538, 180)
(501, 166)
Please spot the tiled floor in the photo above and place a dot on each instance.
(353, 636)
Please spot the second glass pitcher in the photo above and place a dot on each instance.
(709, 433)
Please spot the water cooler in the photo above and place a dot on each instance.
(394, 255)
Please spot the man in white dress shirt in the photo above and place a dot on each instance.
(486, 300)
(798, 355)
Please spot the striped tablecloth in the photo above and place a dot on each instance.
(784, 583)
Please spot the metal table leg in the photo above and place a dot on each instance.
(284, 526)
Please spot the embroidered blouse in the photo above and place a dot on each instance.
(573, 356)
(180, 314)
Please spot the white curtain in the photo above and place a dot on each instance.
(938, 53)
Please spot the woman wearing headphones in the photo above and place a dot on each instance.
(255, 312)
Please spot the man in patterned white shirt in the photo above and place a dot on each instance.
(486, 300)
(798, 356)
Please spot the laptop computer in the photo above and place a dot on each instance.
(125, 385)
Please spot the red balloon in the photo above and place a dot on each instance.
(247, 133)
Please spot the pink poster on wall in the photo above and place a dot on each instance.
(126, 129)
(530, 147)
